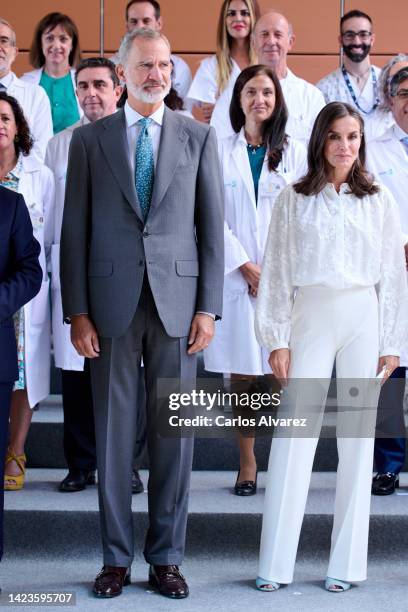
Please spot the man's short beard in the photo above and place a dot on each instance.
(146, 97)
(357, 57)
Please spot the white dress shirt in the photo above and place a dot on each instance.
(133, 131)
(333, 240)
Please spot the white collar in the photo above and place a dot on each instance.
(132, 116)
(399, 132)
(6, 80)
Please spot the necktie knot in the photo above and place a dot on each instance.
(145, 122)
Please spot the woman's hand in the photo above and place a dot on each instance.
(252, 273)
(390, 362)
(207, 111)
(279, 361)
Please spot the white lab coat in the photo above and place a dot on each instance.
(304, 102)
(388, 160)
(234, 348)
(36, 107)
(34, 76)
(334, 88)
(37, 187)
(56, 159)
(204, 87)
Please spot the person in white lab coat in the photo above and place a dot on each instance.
(147, 14)
(26, 175)
(388, 159)
(273, 38)
(234, 53)
(357, 81)
(333, 288)
(98, 90)
(54, 53)
(32, 98)
(258, 161)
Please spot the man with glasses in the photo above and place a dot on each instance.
(387, 158)
(356, 81)
(32, 98)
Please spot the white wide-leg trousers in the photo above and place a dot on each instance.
(327, 326)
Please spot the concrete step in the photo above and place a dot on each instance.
(224, 583)
(40, 519)
(45, 448)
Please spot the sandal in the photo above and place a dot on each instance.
(11, 482)
(267, 586)
(336, 586)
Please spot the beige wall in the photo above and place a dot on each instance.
(191, 25)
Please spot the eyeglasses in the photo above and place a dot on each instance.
(6, 42)
(402, 94)
(350, 36)
(243, 13)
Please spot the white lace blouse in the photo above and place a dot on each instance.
(338, 241)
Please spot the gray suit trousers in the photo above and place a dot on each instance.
(115, 391)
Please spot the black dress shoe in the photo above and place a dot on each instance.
(245, 487)
(385, 484)
(77, 480)
(110, 581)
(137, 484)
(169, 581)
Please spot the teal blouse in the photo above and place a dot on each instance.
(256, 156)
(64, 107)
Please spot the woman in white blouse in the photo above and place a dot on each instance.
(258, 161)
(234, 53)
(332, 289)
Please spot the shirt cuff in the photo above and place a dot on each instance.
(210, 314)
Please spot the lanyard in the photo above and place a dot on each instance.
(353, 95)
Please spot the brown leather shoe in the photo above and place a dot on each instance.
(168, 580)
(110, 581)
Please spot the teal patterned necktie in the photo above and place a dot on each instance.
(144, 167)
(405, 143)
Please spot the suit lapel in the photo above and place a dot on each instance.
(172, 143)
(114, 144)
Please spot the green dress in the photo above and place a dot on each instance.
(64, 106)
(256, 156)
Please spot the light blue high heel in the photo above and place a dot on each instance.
(333, 585)
(267, 586)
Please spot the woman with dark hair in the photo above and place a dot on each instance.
(258, 161)
(54, 54)
(332, 290)
(234, 53)
(24, 174)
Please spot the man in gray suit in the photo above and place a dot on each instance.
(142, 276)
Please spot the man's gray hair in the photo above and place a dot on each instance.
(13, 34)
(384, 80)
(399, 77)
(142, 33)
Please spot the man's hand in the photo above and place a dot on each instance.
(207, 111)
(279, 361)
(84, 336)
(201, 333)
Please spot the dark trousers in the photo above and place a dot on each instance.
(79, 425)
(389, 449)
(5, 399)
(115, 385)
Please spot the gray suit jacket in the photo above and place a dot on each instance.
(105, 246)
